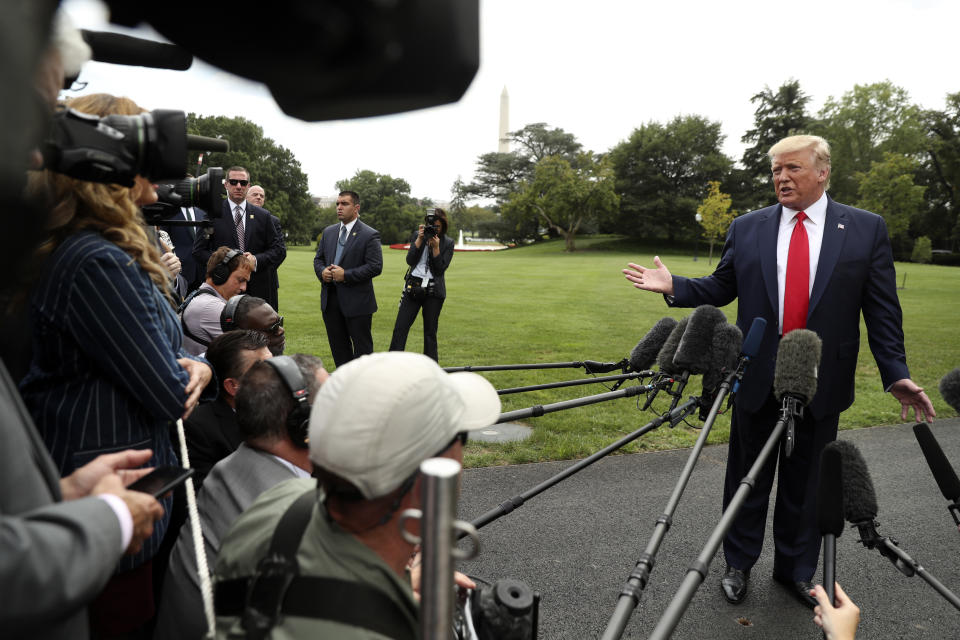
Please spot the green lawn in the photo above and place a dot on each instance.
(538, 304)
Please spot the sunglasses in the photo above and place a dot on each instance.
(234, 182)
(275, 326)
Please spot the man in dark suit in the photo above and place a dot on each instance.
(807, 262)
(257, 196)
(247, 227)
(183, 238)
(348, 257)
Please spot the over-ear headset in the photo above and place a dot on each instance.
(298, 420)
(228, 316)
(221, 272)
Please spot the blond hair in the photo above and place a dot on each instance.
(815, 144)
(108, 209)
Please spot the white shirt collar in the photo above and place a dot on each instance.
(817, 212)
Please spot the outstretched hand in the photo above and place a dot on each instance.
(657, 279)
(912, 396)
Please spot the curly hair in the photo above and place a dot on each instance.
(108, 209)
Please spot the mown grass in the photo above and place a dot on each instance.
(539, 304)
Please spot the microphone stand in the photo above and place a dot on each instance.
(619, 379)
(673, 417)
(698, 571)
(633, 589)
(541, 409)
(889, 549)
(580, 364)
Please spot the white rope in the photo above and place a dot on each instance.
(203, 570)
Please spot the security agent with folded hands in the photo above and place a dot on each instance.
(366, 449)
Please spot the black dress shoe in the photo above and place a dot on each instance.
(800, 589)
(734, 585)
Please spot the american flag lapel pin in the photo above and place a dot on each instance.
(839, 225)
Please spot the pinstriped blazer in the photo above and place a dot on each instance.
(104, 375)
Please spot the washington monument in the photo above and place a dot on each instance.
(504, 142)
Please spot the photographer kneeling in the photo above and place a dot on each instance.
(429, 256)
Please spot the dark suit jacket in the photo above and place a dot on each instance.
(438, 264)
(56, 556)
(274, 278)
(362, 261)
(260, 239)
(855, 274)
(212, 435)
(183, 240)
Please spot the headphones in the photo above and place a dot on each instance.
(221, 273)
(298, 420)
(228, 315)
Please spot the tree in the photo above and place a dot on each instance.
(563, 196)
(271, 166)
(660, 175)
(499, 174)
(777, 116)
(921, 251)
(940, 172)
(888, 189)
(864, 124)
(715, 215)
(385, 204)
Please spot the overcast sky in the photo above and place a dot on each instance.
(597, 69)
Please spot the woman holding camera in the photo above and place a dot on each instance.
(429, 256)
(108, 371)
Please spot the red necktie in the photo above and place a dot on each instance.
(796, 294)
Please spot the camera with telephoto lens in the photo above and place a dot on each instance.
(430, 225)
(205, 192)
(505, 610)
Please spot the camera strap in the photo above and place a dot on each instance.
(183, 307)
(278, 588)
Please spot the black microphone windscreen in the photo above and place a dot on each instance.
(693, 352)
(950, 389)
(830, 492)
(859, 498)
(665, 357)
(751, 344)
(724, 354)
(942, 471)
(796, 370)
(116, 48)
(645, 353)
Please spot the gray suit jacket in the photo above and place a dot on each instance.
(55, 556)
(232, 485)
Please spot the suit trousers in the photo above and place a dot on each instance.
(409, 307)
(349, 337)
(795, 532)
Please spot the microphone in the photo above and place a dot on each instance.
(942, 471)
(724, 356)
(694, 349)
(860, 509)
(645, 353)
(667, 370)
(950, 389)
(642, 356)
(795, 378)
(115, 48)
(830, 513)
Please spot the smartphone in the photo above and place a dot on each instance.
(161, 480)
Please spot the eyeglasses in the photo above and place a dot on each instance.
(234, 182)
(275, 326)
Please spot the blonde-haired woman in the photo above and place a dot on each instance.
(108, 371)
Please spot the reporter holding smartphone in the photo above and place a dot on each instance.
(429, 256)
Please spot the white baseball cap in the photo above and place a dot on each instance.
(379, 416)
